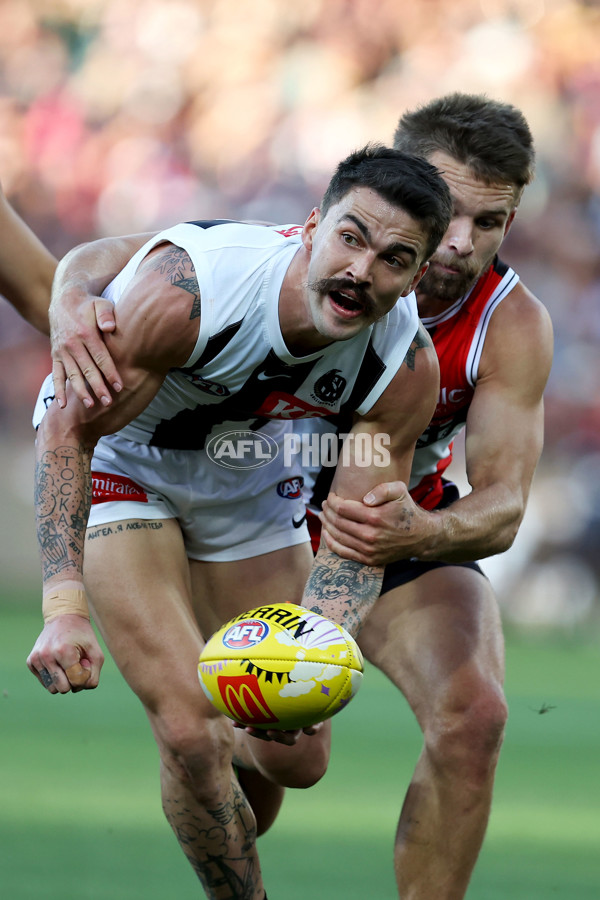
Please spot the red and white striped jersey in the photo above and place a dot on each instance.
(458, 335)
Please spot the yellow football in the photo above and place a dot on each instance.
(280, 666)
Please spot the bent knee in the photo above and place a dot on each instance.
(305, 775)
(468, 736)
(190, 746)
(301, 769)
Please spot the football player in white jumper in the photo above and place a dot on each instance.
(243, 328)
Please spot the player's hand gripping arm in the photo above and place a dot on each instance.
(504, 437)
(80, 319)
(158, 328)
(345, 589)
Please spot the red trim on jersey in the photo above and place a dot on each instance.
(430, 489)
(452, 339)
(314, 529)
(290, 231)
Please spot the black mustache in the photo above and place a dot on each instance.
(327, 285)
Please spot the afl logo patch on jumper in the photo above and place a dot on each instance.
(291, 488)
(245, 634)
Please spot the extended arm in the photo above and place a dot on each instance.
(344, 589)
(26, 268)
(504, 437)
(158, 329)
(76, 322)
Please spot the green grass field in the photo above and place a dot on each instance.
(80, 814)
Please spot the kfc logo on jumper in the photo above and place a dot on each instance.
(106, 486)
(279, 405)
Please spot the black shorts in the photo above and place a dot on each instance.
(405, 570)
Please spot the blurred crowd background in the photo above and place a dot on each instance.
(130, 115)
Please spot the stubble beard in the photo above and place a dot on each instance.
(446, 287)
(451, 287)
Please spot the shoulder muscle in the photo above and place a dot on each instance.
(519, 343)
(159, 312)
(406, 406)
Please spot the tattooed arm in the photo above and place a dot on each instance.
(158, 327)
(345, 589)
(80, 318)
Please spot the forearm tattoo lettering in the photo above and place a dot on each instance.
(63, 491)
(177, 266)
(342, 590)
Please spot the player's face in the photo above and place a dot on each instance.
(365, 253)
(482, 216)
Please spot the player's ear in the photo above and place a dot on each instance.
(309, 228)
(416, 279)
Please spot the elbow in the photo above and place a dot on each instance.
(505, 536)
(505, 540)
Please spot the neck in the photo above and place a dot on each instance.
(431, 302)
(297, 328)
(429, 305)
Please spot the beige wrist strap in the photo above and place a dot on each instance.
(65, 601)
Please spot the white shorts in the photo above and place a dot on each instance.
(224, 514)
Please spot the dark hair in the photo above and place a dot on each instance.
(403, 180)
(491, 138)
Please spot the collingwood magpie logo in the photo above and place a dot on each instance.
(329, 387)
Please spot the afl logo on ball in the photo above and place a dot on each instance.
(245, 634)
